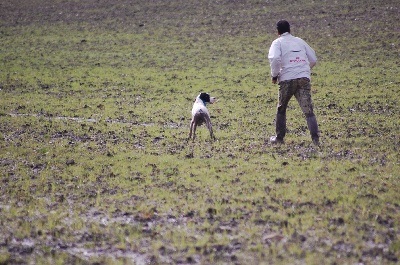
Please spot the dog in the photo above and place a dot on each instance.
(200, 114)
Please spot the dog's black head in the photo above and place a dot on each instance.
(205, 97)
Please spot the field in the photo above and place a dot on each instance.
(95, 166)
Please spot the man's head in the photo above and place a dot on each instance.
(283, 26)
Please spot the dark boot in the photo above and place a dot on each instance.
(313, 127)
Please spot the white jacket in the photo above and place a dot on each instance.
(291, 57)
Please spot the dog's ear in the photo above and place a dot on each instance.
(205, 97)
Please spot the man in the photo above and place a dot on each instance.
(291, 60)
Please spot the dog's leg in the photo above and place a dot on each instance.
(209, 126)
(194, 130)
(191, 128)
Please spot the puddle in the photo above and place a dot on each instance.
(89, 254)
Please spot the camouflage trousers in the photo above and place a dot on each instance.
(301, 89)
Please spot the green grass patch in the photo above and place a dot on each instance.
(95, 166)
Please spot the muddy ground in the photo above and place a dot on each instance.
(128, 189)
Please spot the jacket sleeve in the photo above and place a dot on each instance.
(312, 57)
(274, 57)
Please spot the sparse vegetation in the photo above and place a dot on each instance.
(95, 100)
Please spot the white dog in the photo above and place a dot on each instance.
(200, 114)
